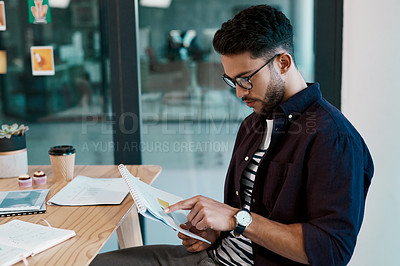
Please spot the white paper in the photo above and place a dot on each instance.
(83, 190)
(23, 238)
(149, 197)
(10, 255)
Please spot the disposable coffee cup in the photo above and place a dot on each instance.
(63, 161)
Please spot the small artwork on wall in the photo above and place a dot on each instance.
(39, 11)
(42, 60)
(3, 62)
(2, 16)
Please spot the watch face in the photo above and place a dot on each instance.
(243, 218)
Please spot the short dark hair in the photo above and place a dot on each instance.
(259, 30)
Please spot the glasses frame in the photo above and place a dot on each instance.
(238, 81)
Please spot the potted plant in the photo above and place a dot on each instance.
(13, 154)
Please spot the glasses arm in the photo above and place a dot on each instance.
(269, 61)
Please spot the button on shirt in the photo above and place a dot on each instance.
(316, 172)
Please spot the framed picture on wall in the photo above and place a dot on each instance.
(39, 11)
(2, 16)
(42, 60)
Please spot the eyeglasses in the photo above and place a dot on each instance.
(245, 82)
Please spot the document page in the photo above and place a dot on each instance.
(32, 237)
(83, 190)
(151, 203)
(156, 201)
(10, 255)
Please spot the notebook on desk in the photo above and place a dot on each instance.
(22, 202)
(85, 191)
(19, 240)
(42, 209)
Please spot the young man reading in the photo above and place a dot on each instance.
(295, 190)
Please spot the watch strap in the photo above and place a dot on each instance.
(239, 230)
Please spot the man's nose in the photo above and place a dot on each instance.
(240, 92)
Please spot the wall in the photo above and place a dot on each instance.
(370, 99)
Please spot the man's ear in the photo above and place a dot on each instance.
(285, 62)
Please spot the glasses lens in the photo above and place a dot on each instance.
(244, 83)
(229, 82)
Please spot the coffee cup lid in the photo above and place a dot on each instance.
(61, 150)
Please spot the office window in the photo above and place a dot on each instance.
(190, 116)
(71, 105)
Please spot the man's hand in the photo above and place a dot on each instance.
(206, 213)
(195, 245)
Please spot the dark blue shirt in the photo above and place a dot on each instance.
(316, 172)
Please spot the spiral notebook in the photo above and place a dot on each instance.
(42, 209)
(22, 202)
(150, 202)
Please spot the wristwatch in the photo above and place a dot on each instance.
(243, 219)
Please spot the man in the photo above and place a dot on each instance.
(299, 174)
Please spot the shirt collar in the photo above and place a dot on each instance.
(296, 104)
(299, 102)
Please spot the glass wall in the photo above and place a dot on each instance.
(190, 116)
(69, 103)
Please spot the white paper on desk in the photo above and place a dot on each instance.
(83, 190)
(27, 239)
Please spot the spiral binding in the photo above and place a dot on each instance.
(126, 175)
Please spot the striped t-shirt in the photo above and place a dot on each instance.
(237, 250)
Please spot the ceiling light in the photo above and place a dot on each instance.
(156, 3)
(59, 3)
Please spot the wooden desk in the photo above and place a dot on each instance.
(93, 224)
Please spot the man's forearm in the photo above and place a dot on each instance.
(285, 240)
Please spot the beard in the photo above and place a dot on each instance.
(274, 94)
